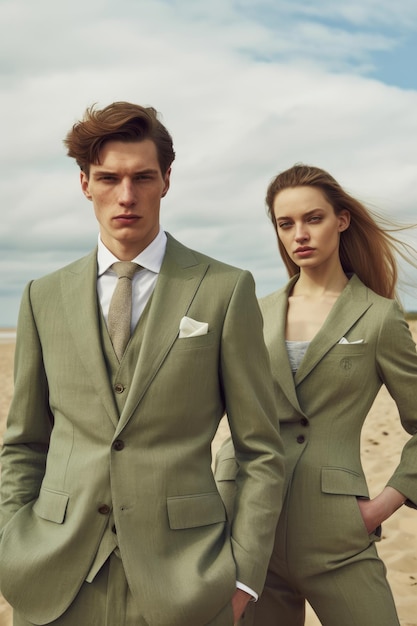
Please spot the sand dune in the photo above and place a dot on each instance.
(382, 441)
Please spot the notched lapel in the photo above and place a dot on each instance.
(275, 314)
(79, 294)
(349, 307)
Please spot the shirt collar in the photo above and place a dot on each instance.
(151, 258)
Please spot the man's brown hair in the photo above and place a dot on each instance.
(120, 121)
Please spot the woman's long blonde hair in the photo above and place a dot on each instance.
(367, 247)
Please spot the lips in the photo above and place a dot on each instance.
(126, 218)
(303, 249)
(304, 252)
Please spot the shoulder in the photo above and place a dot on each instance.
(359, 291)
(272, 300)
(385, 315)
(269, 303)
(75, 267)
(185, 256)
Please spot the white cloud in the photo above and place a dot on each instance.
(244, 94)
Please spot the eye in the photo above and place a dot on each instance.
(284, 225)
(315, 218)
(144, 177)
(107, 178)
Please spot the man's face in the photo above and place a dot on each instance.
(126, 191)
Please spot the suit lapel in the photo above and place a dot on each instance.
(349, 307)
(275, 314)
(79, 295)
(179, 279)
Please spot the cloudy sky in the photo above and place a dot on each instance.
(246, 87)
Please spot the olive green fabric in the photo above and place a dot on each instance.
(71, 459)
(322, 550)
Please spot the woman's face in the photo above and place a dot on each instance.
(308, 227)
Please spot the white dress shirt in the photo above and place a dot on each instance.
(143, 282)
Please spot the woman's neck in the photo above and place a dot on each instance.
(317, 285)
(310, 303)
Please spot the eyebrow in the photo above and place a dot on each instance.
(100, 172)
(307, 214)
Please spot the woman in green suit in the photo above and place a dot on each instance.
(335, 334)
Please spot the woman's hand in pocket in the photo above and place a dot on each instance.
(377, 510)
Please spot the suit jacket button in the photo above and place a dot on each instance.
(304, 421)
(104, 509)
(119, 388)
(301, 439)
(118, 445)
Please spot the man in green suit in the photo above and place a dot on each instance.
(110, 515)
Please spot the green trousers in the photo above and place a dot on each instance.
(107, 601)
(355, 595)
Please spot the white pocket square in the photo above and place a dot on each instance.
(192, 328)
(344, 340)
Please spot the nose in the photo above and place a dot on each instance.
(126, 193)
(301, 233)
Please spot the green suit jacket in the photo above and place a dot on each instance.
(69, 458)
(336, 384)
(322, 410)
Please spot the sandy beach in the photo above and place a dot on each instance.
(382, 440)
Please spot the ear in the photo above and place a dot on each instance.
(85, 185)
(167, 179)
(344, 220)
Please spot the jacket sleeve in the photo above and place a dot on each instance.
(253, 418)
(29, 422)
(397, 365)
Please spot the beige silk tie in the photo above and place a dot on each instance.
(120, 311)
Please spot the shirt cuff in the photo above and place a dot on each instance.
(248, 590)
